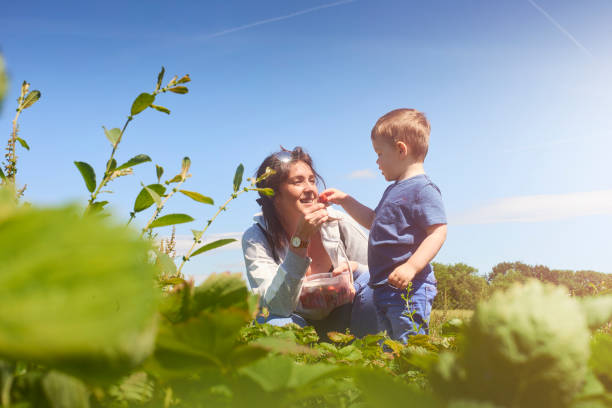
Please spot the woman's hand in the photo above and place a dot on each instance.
(314, 216)
(332, 195)
(343, 267)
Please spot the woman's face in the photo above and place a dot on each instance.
(296, 193)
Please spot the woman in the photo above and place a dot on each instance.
(296, 236)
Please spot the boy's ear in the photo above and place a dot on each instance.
(403, 148)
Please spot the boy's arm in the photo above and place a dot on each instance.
(362, 214)
(404, 273)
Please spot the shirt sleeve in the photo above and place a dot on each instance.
(278, 285)
(428, 209)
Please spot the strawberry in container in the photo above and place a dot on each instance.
(325, 291)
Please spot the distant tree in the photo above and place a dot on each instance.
(510, 277)
(579, 283)
(459, 286)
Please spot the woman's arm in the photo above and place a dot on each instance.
(278, 285)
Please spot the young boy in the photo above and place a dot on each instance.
(407, 228)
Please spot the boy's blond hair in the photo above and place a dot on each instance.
(405, 125)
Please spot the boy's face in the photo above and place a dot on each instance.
(389, 158)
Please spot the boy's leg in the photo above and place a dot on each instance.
(364, 319)
(409, 319)
(383, 300)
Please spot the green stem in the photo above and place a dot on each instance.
(11, 166)
(161, 206)
(106, 177)
(7, 384)
(195, 242)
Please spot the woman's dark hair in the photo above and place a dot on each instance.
(281, 163)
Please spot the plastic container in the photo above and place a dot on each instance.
(325, 292)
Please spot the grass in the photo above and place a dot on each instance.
(438, 317)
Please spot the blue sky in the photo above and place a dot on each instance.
(519, 94)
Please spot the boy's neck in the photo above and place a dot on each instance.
(413, 169)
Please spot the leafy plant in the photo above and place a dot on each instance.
(3, 81)
(115, 135)
(526, 347)
(65, 302)
(26, 99)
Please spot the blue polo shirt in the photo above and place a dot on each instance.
(406, 209)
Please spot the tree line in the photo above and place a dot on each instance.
(461, 287)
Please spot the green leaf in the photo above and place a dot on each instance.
(171, 219)
(137, 388)
(179, 89)
(112, 166)
(265, 191)
(144, 199)
(2, 176)
(141, 158)
(141, 103)
(379, 389)
(197, 234)
(276, 373)
(175, 179)
(199, 343)
(159, 170)
(215, 244)
(23, 143)
(238, 177)
(601, 358)
(172, 81)
(96, 207)
(112, 135)
(198, 197)
(160, 78)
(184, 79)
(64, 391)
(185, 165)
(221, 291)
(93, 307)
(154, 196)
(30, 99)
(88, 175)
(283, 346)
(597, 309)
(161, 109)
(337, 337)
(165, 264)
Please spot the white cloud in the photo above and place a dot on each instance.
(362, 174)
(184, 242)
(536, 208)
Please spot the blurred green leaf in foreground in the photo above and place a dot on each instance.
(76, 293)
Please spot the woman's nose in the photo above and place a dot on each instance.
(310, 187)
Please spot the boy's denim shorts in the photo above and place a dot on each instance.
(402, 320)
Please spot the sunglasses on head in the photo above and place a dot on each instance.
(284, 156)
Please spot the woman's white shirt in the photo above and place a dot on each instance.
(279, 283)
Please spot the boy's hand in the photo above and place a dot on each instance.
(402, 275)
(332, 195)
